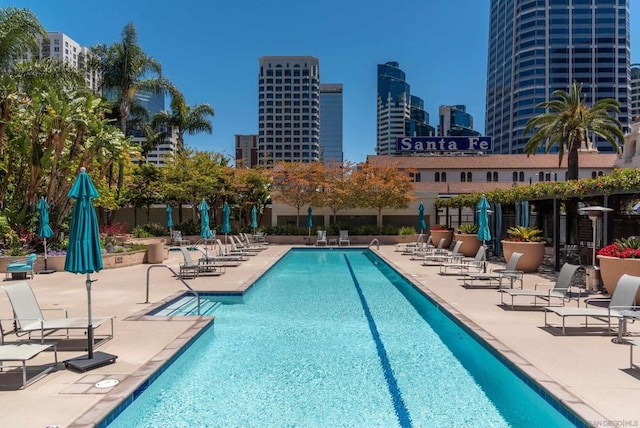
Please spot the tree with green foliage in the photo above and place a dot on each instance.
(296, 184)
(337, 192)
(144, 189)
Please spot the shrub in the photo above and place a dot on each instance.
(407, 230)
(190, 227)
(440, 227)
(468, 228)
(114, 229)
(140, 232)
(524, 234)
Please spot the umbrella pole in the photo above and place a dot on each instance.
(89, 318)
(45, 254)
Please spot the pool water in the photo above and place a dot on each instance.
(337, 338)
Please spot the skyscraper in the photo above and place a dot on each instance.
(331, 122)
(536, 47)
(399, 113)
(288, 109)
(455, 121)
(634, 98)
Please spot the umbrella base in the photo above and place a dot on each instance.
(84, 363)
(46, 271)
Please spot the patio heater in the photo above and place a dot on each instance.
(594, 213)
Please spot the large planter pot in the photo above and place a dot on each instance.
(437, 235)
(532, 254)
(612, 268)
(470, 243)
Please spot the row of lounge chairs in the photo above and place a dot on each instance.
(612, 312)
(343, 238)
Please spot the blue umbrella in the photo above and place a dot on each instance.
(518, 216)
(254, 217)
(85, 256)
(309, 221)
(497, 246)
(226, 226)
(44, 230)
(421, 223)
(525, 213)
(484, 234)
(205, 231)
(169, 218)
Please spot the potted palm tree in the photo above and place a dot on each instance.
(468, 234)
(528, 242)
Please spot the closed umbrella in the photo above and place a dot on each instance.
(170, 220)
(498, 245)
(226, 226)
(421, 223)
(205, 231)
(525, 213)
(85, 256)
(309, 221)
(254, 218)
(518, 215)
(44, 230)
(484, 234)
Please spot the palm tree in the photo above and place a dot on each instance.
(185, 119)
(19, 31)
(568, 123)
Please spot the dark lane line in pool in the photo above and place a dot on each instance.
(401, 409)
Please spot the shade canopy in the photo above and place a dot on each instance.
(226, 226)
(169, 217)
(422, 225)
(254, 217)
(484, 234)
(309, 217)
(205, 230)
(44, 230)
(83, 252)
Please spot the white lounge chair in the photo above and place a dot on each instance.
(212, 258)
(191, 269)
(344, 238)
(420, 254)
(28, 318)
(177, 239)
(23, 352)
(238, 249)
(561, 289)
(444, 256)
(224, 254)
(410, 245)
(509, 272)
(623, 299)
(322, 238)
(466, 264)
(246, 240)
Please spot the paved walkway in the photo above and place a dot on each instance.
(588, 371)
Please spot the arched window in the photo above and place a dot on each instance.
(437, 178)
(495, 175)
(515, 176)
(521, 176)
(600, 174)
(443, 177)
(489, 176)
(541, 176)
(463, 177)
(469, 177)
(593, 174)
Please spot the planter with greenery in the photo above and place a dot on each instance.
(468, 234)
(524, 240)
(623, 256)
(440, 231)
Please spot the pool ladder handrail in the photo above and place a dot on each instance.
(194, 292)
(376, 241)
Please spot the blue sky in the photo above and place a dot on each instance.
(210, 50)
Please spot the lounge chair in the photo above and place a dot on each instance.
(188, 268)
(429, 251)
(344, 238)
(237, 249)
(23, 352)
(623, 299)
(242, 246)
(632, 343)
(28, 318)
(22, 267)
(177, 239)
(559, 290)
(466, 263)
(509, 272)
(444, 256)
(322, 238)
(211, 258)
(410, 245)
(246, 240)
(224, 254)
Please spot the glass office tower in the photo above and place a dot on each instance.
(538, 46)
(331, 122)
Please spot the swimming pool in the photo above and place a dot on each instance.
(337, 338)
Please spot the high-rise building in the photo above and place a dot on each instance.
(536, 47)
(288, 109)
(634, 98)
(399, 113)
(455, 121)
(331, 122)
(246, 151)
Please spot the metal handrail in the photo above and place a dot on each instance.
(195, 293)
(376, 241)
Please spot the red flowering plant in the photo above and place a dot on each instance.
(440, 227)
(628, 248)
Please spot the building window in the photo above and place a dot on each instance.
(495, 176)
(593, 174)
(515, 176)
(521, 176)
(489, 176)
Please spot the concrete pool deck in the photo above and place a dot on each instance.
(587, 371)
